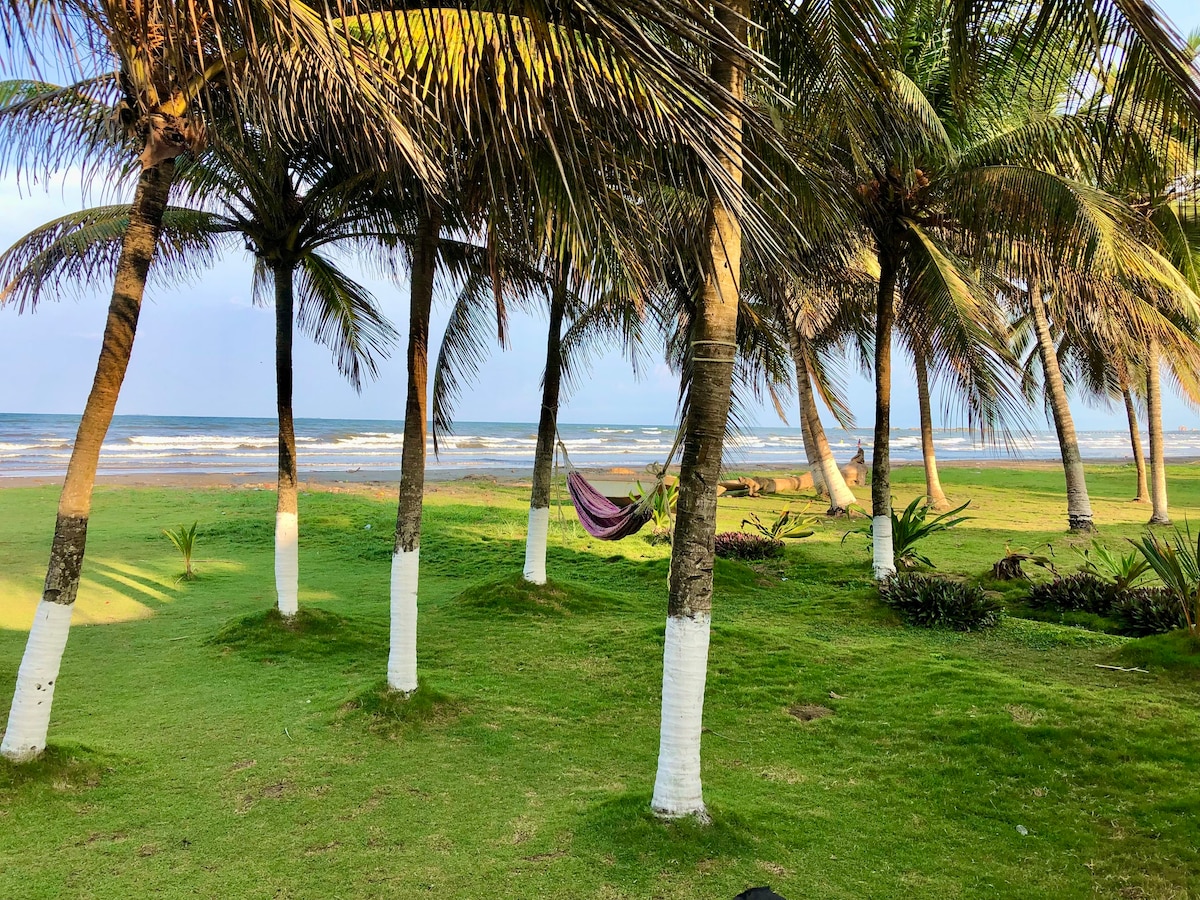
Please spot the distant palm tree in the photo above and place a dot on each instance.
(289, 209)
(176, 69)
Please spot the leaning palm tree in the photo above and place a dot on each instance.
(168, 68)
(289, 208)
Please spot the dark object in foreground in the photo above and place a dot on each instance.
(758, 893)
(932, 602)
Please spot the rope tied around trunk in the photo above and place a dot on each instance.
(717, 359)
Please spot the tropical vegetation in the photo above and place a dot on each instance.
(1006, 192)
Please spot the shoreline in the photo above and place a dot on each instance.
(265, 479)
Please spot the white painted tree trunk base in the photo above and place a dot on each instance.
(840, 495)
(287, 563)
(884, 559)
(677, 789)
(535, 545)
(29, 718)
(402, 657)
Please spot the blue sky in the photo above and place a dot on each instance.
(203, 349)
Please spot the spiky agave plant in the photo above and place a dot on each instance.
(1176, 561)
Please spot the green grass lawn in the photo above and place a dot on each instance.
(198, 751)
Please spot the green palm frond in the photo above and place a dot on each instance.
(45, 128)
(80, 250)
(341, 314)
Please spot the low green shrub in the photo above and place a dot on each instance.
(740, 545)
(932, 602)
(1082, 591)
(1146, 611)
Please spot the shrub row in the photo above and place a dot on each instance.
(1137, 611)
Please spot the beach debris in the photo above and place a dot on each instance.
(1123, 669)
(1022, 830)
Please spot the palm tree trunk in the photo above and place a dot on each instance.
(1158, 473)
(1079, 506)
(677, 787)
(884, 560)
(287, 530)
(816, 445)
(402, 659)
(29, 718)
(543, 459)
(934, 495)
(1135, 442)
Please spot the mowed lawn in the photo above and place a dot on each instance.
(198, 751)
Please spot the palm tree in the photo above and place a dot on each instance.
(294, 72)
(617, 94)
(850, 69)
(156, 101)
(289, 209)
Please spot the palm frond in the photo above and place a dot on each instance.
(341, 314)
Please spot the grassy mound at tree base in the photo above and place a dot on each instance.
(514, 596)
(1176, 653)
(310, 633)
(391, 713)
(61, 767)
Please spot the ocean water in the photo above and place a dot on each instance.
(41, 445)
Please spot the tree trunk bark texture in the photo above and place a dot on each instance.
(287, 531)
(1160, 515)
(883, 559)
(543, 459)
(402, 658)
(816, 445)
(1079, 505)
(677, 786)
(1135, 443)
(29, 717)
(934, 495)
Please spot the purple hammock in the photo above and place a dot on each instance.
(600, 517)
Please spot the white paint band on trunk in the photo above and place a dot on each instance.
(402, 657)
(881, 546)
(535, 545)
(29, 719)
(677, 790)
(840, 495)
(287, 563)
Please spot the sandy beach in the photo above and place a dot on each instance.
(389, 479)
